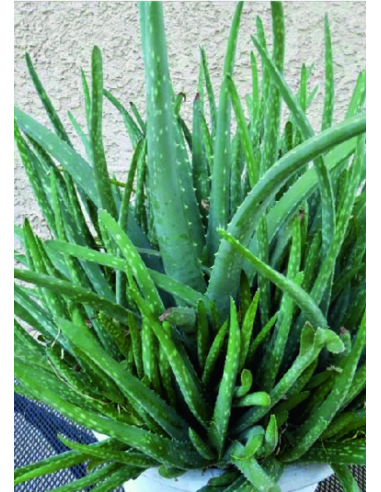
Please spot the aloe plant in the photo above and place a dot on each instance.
(209, 312)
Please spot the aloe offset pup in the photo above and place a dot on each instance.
(210, 311)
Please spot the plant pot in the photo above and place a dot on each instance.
(295, 478)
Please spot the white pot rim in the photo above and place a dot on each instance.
(296, 477)
(299, 476)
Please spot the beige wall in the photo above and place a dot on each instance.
(60, 35)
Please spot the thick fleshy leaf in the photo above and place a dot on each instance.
(162, 281)
(319, 339)
(346, 478)
(132, 129)
(190, 386)
(134, 260)
(301, 298)
(341, 453)
(321, 417)
(101, 176)
(219, 198)
(76, 293)
(329, 78)
(307, 132)
(77, 167)
(222, 409)
(228, 264)
(173, 453)
(171, 223)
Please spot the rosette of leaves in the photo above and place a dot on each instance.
(210, 310)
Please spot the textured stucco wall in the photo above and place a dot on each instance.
(60, 35)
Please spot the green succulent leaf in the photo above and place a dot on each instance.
(134, 260)
(75, 165)
(76, 293)
(246, 218)
(219, 198)
(223, 405)
(173, 235)
(307, 132)
(304, 301)
(214, 353)
(346, 478)
(132, 129)
(338, 453)
(110, 454)
(162, 281)
(131, 386)
(187, 380)
(253, 471)
(329, 78)
(322, 338)
(321, 417)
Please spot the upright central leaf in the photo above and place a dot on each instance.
(270, 147)
(219, 198)
(171, 224)
(100, 166)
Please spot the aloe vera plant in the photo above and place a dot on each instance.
(209, 312)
